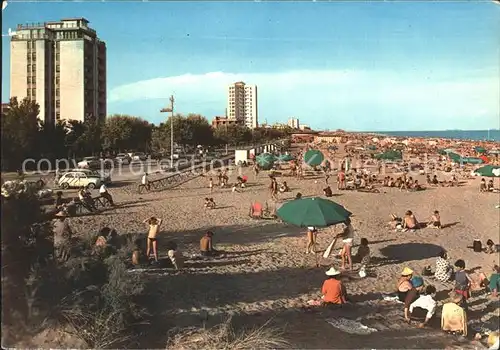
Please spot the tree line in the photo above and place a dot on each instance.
(25, 136)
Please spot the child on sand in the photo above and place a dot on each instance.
(211, 185)
(435, 221)
(463, 281)
(347, 239)
(152, 242)
(209, 203)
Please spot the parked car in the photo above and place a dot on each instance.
(76, 179)
(89, 163)
(139, 156)
(123, 158)
(104, 176)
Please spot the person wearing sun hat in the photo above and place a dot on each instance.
(333, 290)
(404, 284)
(413, 294)
(454, 317)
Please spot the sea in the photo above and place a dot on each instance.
(476, 135)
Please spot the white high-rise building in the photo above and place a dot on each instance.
(294, 123)
(242, 104)
(60, 65)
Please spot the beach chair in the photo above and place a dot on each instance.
(256, 211)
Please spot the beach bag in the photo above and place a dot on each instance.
(477, 246)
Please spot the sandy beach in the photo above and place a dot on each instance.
(265, 273)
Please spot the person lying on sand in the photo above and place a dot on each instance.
(333, 290)
(396, 222)
(409, 221)
(435, 221)
(491, 247)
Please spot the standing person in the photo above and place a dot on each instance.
(347, 240)
(152, 242)
(145, 181)
(463, 282)
(211, 185)
(273, 187)
(103, 191)
(311, 240)
(327, 175)
(341, 180)
(256, 170)
(62, 235)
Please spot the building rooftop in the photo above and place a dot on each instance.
(75, 19)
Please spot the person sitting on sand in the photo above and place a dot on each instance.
(209, 203)
(490, 187)
(385, 183)
(429, 180)
(333, 290)
(298, 195)
(491, 247)
(453, 316)
(494, 281)
(363, 253)
(152, 241)
(444, 270)
(427, 303)
(398, 182)
(482, 185)
(415, 186)
(137, 256)
(327, 191)
(435, 221)
(463, 281)
(435, 180)
(284, 187)
(404, 283)
(413, 294)
(391, 182)
(410, 221)
(454, 181)
(175, 255)
(206, 244)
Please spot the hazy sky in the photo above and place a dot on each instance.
(352, 65)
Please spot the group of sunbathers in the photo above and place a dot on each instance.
(403, 183)
(410, 222)
(490, 187)
(435, 182)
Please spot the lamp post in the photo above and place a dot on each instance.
(171, 109)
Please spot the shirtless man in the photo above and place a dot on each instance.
(152, 243)
(410, 221)
(341, 180)
(435, 221)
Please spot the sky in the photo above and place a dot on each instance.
(367, 66)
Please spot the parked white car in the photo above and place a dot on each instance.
(76, 179)
(103, 175)
(123, 158)
(89, 162)
(139, 156)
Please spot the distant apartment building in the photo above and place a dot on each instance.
(294, 123)
(304, 127)
(242, 104)
(224, 121)
(5, 108)
(62, 66)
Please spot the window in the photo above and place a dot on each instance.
(28, 80)
(58, 115)
(34, 56)
(57, 68)
(33, 67)
(28, 90)
(57, 92)
(29, 67)
(58, 104)
(57, 80)
(33, 92)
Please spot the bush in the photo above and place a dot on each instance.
(91, 291)
(223, 336)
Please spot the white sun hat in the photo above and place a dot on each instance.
(332, 272)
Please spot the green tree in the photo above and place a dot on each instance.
(233, 135)
(19, 133)
(123, 132)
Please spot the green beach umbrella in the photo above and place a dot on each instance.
(488, 171)
(318, 212)
(265, 161)
(285, 158)
(454, 156)
(480, 149)
(313, 157)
